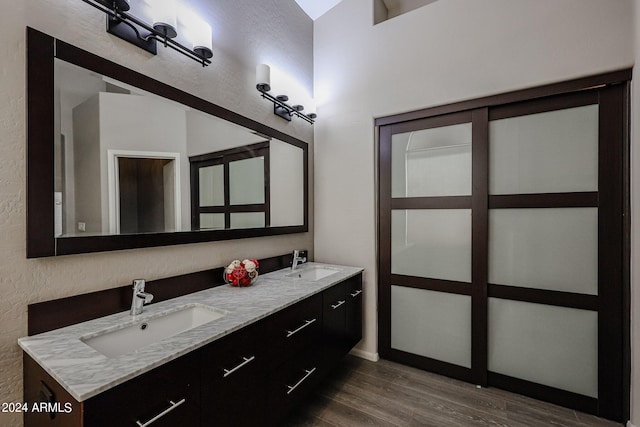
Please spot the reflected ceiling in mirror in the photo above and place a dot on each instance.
(117, 160)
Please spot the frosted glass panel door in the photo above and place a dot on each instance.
(550, 152)
(543, 239)
(432, 162)
(554, 346)
(233, 188)
(554, 249)
(430, 235)
(417, 323)
(502, 255)
(214, 221)
(433, 243)
(211, 185)
(247, 219)
(246, 181)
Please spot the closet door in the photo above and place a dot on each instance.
(426, 242)
(544, 245)
(502, 250)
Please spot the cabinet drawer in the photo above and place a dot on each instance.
(293, 381)
(294, 329)
(169, 394)
(235, 358)
(354, 310)
(334, 318)
(233, 378)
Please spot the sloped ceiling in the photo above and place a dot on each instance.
(317, 8)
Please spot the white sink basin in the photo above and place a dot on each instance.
(149, 331)
(312, 273)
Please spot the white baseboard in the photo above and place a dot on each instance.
(629, 424)
(373, 357)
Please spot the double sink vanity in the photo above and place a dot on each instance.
(201, 353)
(220, 356)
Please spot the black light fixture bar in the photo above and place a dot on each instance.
(129, 28)
(284, 110)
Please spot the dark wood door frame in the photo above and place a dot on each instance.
(611, 92)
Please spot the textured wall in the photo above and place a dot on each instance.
(444, 52)
(246, 32)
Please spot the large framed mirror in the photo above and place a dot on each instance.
(117, 160)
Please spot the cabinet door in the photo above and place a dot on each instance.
(40, 387)
(233, 379)
(294, 329)
(169, 394)
(354, 310)
(334, 311)
(292, 382)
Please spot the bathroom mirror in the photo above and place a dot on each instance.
(117, 160)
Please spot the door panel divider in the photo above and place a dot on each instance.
(479, 245)
(587, 199)
(439, 285)
(544, 296)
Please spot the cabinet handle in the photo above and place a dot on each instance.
(356, 293)
(307, 373)
(338, 304)
(228, 372)
(306, 323)
(163, 413)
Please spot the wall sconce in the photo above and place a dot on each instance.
(121, 23)
(280, 106)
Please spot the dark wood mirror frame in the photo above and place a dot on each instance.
(42, 49)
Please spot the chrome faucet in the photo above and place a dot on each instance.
(297, 259)
(140, 297)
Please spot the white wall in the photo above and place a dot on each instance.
(85, 152)
(143, 124)
(229, 81)
(208, 134)
(286, 181)
(445, 52)
(123, 122)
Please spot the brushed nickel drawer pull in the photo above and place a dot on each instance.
(307, 373)
(163, 413)
(306, 323)
(356, 293)
(246, 360)
(338, 304)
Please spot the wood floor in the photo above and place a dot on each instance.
(363, 393)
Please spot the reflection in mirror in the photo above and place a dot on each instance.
(125, 159)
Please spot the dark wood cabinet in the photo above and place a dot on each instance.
(170, 394)
(341, 319)
(233, 378)
(253, 376)
(354, 311)
(334, 324)
(292, 381)
(295, 336)
(293, 330)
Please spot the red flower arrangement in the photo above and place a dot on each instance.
(241, 273)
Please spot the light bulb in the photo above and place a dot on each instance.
(164, 17)
(263, 78)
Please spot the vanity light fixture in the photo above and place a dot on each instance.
(280, 106)
(123, 24)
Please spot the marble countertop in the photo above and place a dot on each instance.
(84, 372)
